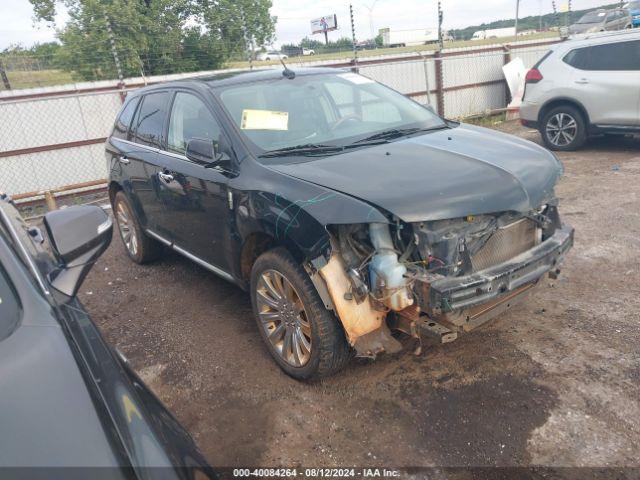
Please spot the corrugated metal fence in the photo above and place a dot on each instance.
(51, 138)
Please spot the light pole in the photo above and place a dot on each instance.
(370, 8)
(517, 12)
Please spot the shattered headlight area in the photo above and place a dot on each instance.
(432, 280)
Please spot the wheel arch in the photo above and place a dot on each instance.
(259, 242)
(559, 101)
(114, 188)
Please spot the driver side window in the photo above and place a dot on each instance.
(190, 118)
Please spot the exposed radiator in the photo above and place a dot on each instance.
(506, 243)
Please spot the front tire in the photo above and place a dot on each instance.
(140, 248)
(304, 338)
(563, 128)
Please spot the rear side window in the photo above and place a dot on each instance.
(621, 56)
(121, 128)
(149, 121)
(10, 308)
(578, 58)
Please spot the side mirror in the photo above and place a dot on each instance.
(200, 150)
(78, 236)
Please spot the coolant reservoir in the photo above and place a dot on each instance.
(384, 267)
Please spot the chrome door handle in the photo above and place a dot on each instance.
(167, 177)
(582, 81)
(124, 160)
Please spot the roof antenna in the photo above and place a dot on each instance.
(287, 72)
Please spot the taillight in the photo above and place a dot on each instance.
(533, 76)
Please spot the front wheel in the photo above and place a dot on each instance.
(304, 338)
(563, 128)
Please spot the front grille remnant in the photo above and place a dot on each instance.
(506, 243)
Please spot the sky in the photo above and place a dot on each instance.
(17, 26)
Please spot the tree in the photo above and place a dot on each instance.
(41, 56)
(156, 36)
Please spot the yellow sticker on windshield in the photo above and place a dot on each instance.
(264, 120)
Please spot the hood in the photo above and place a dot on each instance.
(443, 174)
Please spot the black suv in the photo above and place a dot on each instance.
(345, 208)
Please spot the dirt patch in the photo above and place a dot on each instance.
(474, 424)
(552, 382)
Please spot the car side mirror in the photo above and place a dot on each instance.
(78, 236)
(200, 150)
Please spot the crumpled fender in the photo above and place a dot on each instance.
(292, 210)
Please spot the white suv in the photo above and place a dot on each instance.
(582, 87)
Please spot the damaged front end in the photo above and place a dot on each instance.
(434, 279)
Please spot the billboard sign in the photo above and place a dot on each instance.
(324, 24)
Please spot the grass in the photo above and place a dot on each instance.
(348, 55)
(37, 78)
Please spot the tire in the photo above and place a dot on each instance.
(138, 245)
(573, 133)
(306, 318)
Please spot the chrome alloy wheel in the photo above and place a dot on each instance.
(561, 129)
(283, 318)
(127, 231)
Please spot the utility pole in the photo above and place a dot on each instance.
(116, 59)
(440, 17)
(540, 17)
(248, 41)
(353, 39)
(517, 13)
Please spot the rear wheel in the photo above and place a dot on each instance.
(303, 337)
(139, 247)
(563, 128)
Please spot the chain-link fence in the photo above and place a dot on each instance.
(51, 139)
(457, 82)
(53, 142)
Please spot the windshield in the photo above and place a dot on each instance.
(324, 109)
(633, 6)
(593, 17)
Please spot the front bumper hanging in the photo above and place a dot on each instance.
(447, 295)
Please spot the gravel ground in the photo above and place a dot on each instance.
(555, 381)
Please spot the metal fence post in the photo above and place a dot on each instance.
(50, 201)
(116, 59)
(353, 39)
(437, 57)
(425, 66)
(3, 74)
(507, 59)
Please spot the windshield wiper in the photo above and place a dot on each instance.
(397, 133)
(307, 149)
